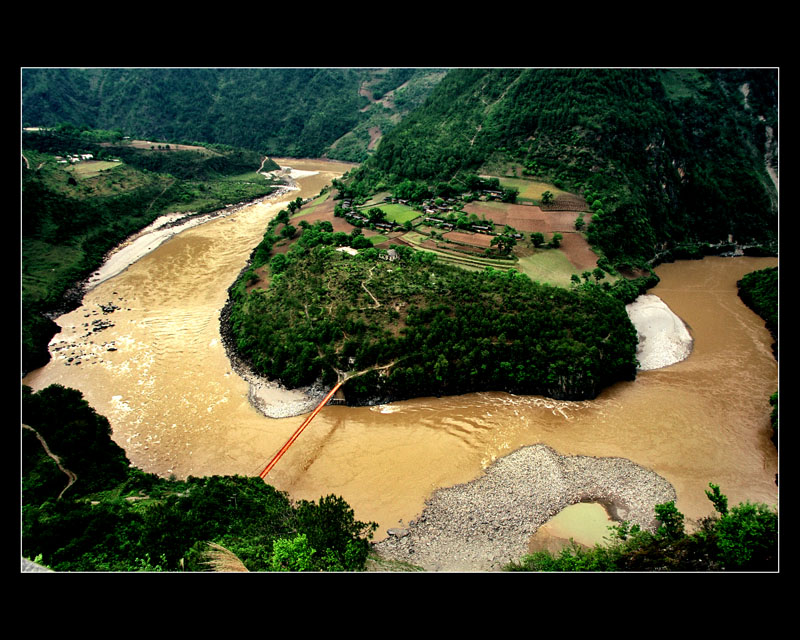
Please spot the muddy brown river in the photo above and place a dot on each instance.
(177, 408)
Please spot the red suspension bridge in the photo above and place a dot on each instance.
(343, 377)
(299, 430)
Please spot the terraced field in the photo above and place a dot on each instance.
(476, 263)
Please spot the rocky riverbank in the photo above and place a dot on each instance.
(484, 524)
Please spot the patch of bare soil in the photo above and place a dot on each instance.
(375, 134)
(323, 213)
(566, 202)
(525, 218)
(263, 279)
(578, 251)
(473, 239)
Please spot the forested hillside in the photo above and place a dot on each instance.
(663, 156)
(284, 112)
(85, 508)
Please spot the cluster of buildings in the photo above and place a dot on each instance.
(73, 158)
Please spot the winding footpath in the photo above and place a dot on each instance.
(71, 477)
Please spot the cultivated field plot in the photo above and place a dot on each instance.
(398, 213)
(524, 218)
(531, 189)
(578, 252)
(322, 209)
(324, 204)
(548, 265)
(472, 239)
(566, 202)
(163, 146)
(91, 168)
(460, 258)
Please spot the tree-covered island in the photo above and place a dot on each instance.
(414, 326)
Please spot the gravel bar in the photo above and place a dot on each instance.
(484, 524)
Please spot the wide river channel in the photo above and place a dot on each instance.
(158, 371)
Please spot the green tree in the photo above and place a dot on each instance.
(278, 263)
(671, 521)
(547, 197)
(293, 554)
(510, 194)
(555, 241)
(288, 231)
(341, 541)
(440, 368)
(537, 238)
(376, 214)
(719, 501)
(504, 242)
(747, 537)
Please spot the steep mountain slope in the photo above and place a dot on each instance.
(288, 112)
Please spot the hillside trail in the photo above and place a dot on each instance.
(72, 478)
(371, 295)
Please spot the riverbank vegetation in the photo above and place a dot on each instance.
(740, 538)
(84, 508)
(759, 291)
(84, 192)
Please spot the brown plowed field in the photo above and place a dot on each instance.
(474, 239)
(524, 218)
(578, 251)
(567, 202)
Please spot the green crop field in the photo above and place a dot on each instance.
(398, 213)
(92, 168)
(530, 189)
(547, 265)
